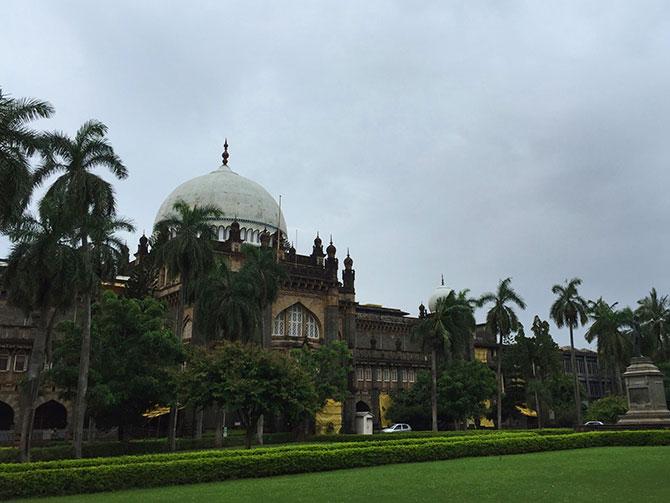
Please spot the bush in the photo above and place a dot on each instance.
(607, 409)
(74, 480)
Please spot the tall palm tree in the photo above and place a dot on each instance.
(501, 320)
(572, 310)
(654, 312)
(86, 200)
(226, 307)
(262, 271)
(614, 346)
(183, 244)
(445, 332)
(41, 275)
(17, 144)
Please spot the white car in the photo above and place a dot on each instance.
(397, 427)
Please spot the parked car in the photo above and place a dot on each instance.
(594, 423)
(397, 427)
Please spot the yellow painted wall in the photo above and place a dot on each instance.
(384, 404)
(330, 414)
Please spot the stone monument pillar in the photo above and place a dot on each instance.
(646, 395)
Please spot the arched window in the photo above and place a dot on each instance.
(222, 233)
(296, 321)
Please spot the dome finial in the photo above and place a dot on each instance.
(442, 275)
(225, 154)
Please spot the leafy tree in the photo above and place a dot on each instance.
(465, 387)
(534, 360)
(251, 381)
(86, 202)
(572, 310)
(502, 321)
(40, 277)
(462, 391)
(447, 332)
(328, 367)
(607, 409)
(561, 397)
(654, 312)
(17, 144)
(608, 328)
(124, 383)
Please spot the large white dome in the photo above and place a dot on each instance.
(439, 292)
(237, 197)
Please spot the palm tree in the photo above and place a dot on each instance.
(654, 312)
(446, 331)
(226, 307)
(41, 275)
(17, 144)
(613, 345)
(183, 244)
(262, 271)
(86, 201)
(572, 310)
(501, 320)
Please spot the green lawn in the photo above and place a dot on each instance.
(601, 474)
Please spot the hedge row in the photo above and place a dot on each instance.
(64, 481)
(221, 453)
(133, 447)
(155, 446)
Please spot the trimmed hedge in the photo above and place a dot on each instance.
(133, 447)
(65, 481)
(221, 453)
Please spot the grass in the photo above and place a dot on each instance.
(599, 474)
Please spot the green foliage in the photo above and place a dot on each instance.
(501, 319)
(75, 480)
(654, 313)
(461, 391)
(17, 144)
(569, 309)
(328, 366)
(249, 381)
(607, 409)
(123, 381)
(561, 399)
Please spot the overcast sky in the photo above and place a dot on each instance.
(476, 139)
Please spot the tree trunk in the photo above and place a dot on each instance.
(499, 379)
(85, 357)
(250, 432)
(30, 390)
(537, 398)
(220, 424)
(433, 389)
(91, 429)
(619, 383)
(82, 383)
(199, 418)
(172, 429)
(259, 429)
(573, 359)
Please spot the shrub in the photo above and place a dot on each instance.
(69, 480)
(607, 409)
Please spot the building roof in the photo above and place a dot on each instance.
(237, 197)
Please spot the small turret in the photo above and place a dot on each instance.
(317, 251)
(265, 238)
(142, 249)
(348, 275)
(331, 261)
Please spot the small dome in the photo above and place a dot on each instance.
(439, 292)
(239, 198)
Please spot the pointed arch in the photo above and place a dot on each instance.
(296, 321)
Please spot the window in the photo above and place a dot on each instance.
(581, 368)
(368, 374)
(296, 321)
(404, 375)
(394, 374)
(4, 362)
(387, 375)
(359, 373)
(567, 366)
(20, 362)
(378, 374)
(412, 375)
(592, 366)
